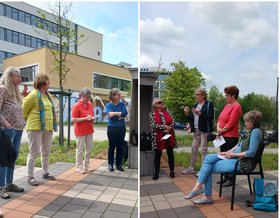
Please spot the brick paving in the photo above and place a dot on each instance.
(99, 194)
(165, 198)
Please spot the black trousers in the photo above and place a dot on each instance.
(170, 156)
(116, 135)
(230, 143)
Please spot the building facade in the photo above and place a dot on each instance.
(19, 32)
(84, 72)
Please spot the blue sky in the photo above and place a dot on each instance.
(230, 43)
(117, 21)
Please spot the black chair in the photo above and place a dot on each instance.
(257, 160)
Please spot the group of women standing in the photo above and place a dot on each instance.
(201, 120)
(36, 113)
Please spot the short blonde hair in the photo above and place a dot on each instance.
(255, 117)
(202, 92)
(40, 80)
(113, 92)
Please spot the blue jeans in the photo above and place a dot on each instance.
(116, 135)
(6, 173)
(213, 164)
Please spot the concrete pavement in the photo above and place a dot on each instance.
(99, 194)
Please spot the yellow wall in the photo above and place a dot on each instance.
(80, 74)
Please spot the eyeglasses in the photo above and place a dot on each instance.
(197, 93)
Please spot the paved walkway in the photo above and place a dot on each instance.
(188, 149)
(99, 194)
(165, 198)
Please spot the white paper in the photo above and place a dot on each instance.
(96, 116)
(221, 156)
(167, 136)
(219, 141)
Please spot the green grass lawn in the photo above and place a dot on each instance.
(269, 162)
(64, 153)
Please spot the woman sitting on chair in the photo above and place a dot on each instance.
(248, 147)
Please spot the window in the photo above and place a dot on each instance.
(106, 82)
(21, 16)
(33, 42)
(2, 33)
(33, 20)
(21, 39)
(98, 53)
(28, 73)
(8, 12)
(1, 9)
(27, 18)
(9, 35)
(15, 14)
(15, 37)
(54, 28)
(39, 43)
(27, 41)
(2, 56)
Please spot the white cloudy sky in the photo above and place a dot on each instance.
(230, 43)
(117, 21)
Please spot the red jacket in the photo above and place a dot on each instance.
(229, 118)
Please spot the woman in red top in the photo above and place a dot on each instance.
(228, 121)
(82, 116)
(162, 123)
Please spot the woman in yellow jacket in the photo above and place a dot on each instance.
(39, 112)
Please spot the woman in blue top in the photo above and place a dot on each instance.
(117, 112)
(213, 164)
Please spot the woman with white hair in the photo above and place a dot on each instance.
(117, 112)
(11, 119)
(82, 116)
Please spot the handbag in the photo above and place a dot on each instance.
(8, 152)
(265, 195)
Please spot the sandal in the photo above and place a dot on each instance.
(32, 181)
(4, 194)
(14, 188)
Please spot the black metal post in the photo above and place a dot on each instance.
(61, 134)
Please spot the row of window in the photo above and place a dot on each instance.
(23, 39)
(107, 82)
(15, 14)
(5, 54)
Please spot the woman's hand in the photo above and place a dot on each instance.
(194, 110)
(88, 118)
(7, 125)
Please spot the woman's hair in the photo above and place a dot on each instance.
(255, 117)
(232, 90)
(6, 82)
(113, 92)
(202, 92)
(85, 91)
(40, 80)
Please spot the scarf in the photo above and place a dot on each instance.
(42, 111)
(164, 119)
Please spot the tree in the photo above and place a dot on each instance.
(218, 100)
(262, 103)
(67, 39)
(180, 88)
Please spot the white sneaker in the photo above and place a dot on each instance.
(189, 170)
(81, 171)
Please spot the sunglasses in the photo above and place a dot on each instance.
(160, 102)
